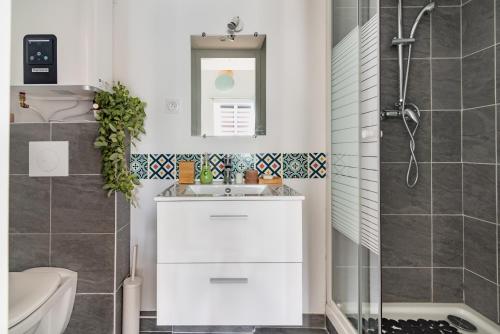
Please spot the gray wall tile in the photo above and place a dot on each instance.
(446, 84)
(91, 255)
(477, 25)
(446, 37)
(92, 314)
(79, 205)
(29, 251)
(29, 204)
(419, 83)
(122, 211)
(481, 295)
(447, 188)
(20, 136)
(446, 136)
(447, 285)
(479, 135)
(480, 248)
(447, 241)
(388, 31)
(84, 158)
(388, 83)
(479, 191)
(478, 75)
(406, 285)
(406, 241)
(396, 197)
(118, 309)
(122, 254)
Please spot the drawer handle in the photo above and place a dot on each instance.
(228, 217)
(228, 280)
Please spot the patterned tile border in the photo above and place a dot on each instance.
(164, 166)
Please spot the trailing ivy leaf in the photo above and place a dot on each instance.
(121, 118)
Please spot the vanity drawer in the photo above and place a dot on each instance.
(229, 294)
(229, 231)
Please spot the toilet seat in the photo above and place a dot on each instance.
(28, 291)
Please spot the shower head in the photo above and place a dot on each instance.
(425, 10)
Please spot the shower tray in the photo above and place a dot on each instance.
(439, 311)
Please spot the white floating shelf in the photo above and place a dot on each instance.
(51, 91)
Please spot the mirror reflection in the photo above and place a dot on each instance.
(228, 85)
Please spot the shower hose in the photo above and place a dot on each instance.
(413, 163)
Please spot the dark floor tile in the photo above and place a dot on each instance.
(274, 330)
(329, 327)
(446, 136)
(478, 26)
(29, 251)
(84, 157)
(395, 144)
(149, 325)
(80, 205)
(481, 295)
(447, 241)
(406, 285)
(479, 135)
(91, 314)
(447, 285)
(20, 136)
(447, 188)
(91, 255)
(478, 79)
(148, 314)
(397, 198)
(122, 255)
(446, 36)
(313, 321)
(406, 241)
(480, 248)
(446, 84)
(29, 204)
(479, 191)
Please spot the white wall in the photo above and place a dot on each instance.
(5, 20)
(151, 55)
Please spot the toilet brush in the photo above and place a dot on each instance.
(132, 299)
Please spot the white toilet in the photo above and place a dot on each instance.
(41, 300)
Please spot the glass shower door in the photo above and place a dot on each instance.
(355, 291)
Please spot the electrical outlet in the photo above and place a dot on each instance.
(173, 105)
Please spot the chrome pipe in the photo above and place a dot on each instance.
(400, 50)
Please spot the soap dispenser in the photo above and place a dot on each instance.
(206, 176)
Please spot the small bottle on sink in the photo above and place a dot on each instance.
(206, 176)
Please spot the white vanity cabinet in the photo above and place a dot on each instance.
(229, 262)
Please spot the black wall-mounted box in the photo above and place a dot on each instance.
(40, 59)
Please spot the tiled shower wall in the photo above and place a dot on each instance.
(440, 239)
(70, 222)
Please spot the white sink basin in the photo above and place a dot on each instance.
(227, 189)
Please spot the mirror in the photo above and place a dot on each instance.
(228, 85)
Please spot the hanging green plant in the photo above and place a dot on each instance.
(121, 118)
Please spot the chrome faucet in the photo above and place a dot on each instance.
(228, 170)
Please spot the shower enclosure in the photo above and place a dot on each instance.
(402, 248)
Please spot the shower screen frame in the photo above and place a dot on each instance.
(368, 274)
